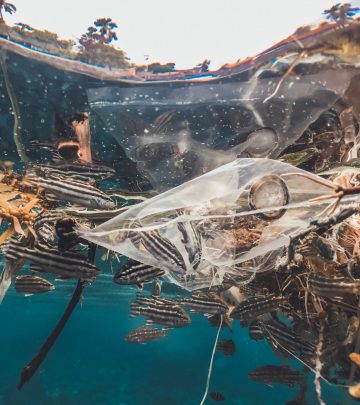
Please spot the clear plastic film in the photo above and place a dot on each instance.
(176, 132)
(236, 219)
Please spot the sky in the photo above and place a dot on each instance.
(185, 32)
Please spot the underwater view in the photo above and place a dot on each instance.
(180, 236)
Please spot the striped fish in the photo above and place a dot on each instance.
(163, 313)
(326, 286)
(155, 300)
(30, 284)
(281, 336)
(80, 171)
(276, 374)
(192, 242)
(44, 226)
(145, 334)
(226, 346)
(49, 260)
(256, 331)
(134, 272)
(72, 191)
(11, 267)
(256, 306)
(205, 303)
(159, 247)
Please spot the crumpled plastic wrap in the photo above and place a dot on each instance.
(236, 219)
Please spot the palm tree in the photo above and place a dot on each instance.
(332, 13)
(90, 38)
(7, 8)
(106, 26)
(346, 13)
(101, 34)
(341, 14)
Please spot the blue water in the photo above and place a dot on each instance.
(92, 364)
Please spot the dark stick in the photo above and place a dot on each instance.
(30, 369)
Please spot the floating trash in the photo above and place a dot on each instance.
(230, 195)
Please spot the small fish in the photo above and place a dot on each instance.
(281, 336)
(217, 320)
(30, 284)
(162, 311)
(192, 242)
(50, 260)
(256, 331)
(205, 303)
(134, 272)
(255, 287)
(256, 306)
(333, 286)
(44, 226)
(73, 191)
(324, 248)
(159, 247)
(81, 171)
(276, 374)
(350, 167)
(217, 396)
(227, 347)
(145, 334)
(299, 158)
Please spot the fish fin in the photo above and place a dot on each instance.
(28, 295)
(229, 322)
(140, 286)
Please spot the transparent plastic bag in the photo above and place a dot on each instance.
(235, 219)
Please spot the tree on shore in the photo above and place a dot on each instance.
(95, 45)
(100, 34)
(341, 13)
(6, 8)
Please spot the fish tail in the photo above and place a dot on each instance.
(135, 309)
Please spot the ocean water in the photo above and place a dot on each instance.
(92, 364)
(158, 133)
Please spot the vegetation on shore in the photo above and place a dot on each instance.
(94, 47)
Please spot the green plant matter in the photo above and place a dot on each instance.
(104, 55)
(102, 33)
(7, 8)
(95, 45)
(157, 67)
(341, 13)
(24, 27)
(37, 39)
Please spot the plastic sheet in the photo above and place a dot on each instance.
(209, 226)
(176, 132)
